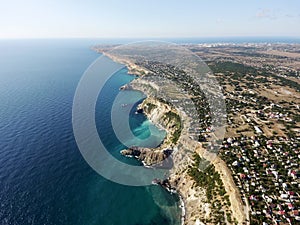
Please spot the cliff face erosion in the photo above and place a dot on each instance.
(166, 117)
(207, 195)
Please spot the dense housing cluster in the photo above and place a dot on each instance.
(263, 135)
(262, 143)
(261, 88)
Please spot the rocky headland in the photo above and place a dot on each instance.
(198, 209)
(201, 203)
(165, 117)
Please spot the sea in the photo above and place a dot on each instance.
(43, 177)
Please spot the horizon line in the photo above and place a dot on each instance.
(169, 37)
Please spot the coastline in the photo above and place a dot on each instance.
(185, 188)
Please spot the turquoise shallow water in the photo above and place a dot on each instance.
(43, 177)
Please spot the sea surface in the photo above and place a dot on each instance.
(43, 177)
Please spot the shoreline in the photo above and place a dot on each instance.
(237, 209)
(181, 205)
(172, 189)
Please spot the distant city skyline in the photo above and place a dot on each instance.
(142, 19)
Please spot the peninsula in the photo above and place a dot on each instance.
(255, 178)
(209, 196)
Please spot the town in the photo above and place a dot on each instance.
(262, 142)
(261, 88)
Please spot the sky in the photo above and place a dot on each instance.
(148, 18)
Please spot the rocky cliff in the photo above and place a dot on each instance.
(166, 117)
(197, 208)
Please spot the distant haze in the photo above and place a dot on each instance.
(144, 18)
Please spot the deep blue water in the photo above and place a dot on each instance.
(43, 177)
